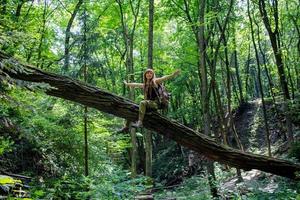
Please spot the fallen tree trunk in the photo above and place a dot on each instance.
(76, 91)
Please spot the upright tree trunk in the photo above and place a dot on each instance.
(247, 71)
(19, 8)
(219, 112)
(270, 82)
(296, 25)
(148, 151)
(148, 134)
(150, 34)
(86, 151)
(230, 124)
(130, 70)
(68, 35)
(202, 71)
(291, 81)
(42, 35)
(134, 152)
(85, 74)
(128, 36)
(234, 87)
(260, 82)
(275, 42)
(237, 73)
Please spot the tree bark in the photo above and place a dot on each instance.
(270, 81)
(247, 73)
(275, 42)
(134, 152)
(19, 8)
(230, 124)
(236, 66)
(128, 36)
(260, 82)
(296, 25)
(85, 77)
(68, 35)
(91, 96)
(42, 32)
(86, 149)
(150, 34)
(148, 133)
(148, 151)
(202, 70)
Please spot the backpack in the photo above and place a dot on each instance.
(163, 96)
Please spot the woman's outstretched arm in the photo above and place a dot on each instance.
(133, 85)
(167, 77)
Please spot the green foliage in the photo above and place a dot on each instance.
(5, 145)
(53, 132)
(114, 184)
(8, 180)
(164, 171)
(65, 188)
(294, 110)
(193, 188)
(294, 151)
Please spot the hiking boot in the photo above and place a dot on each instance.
(125, 129)
(138, 124)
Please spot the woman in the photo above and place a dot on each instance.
(150, 87)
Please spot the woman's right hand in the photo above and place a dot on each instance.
(177, 72)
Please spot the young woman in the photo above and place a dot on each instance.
(149, 86)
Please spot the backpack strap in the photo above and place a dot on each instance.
(157, 93)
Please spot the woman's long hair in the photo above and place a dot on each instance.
(149, 87)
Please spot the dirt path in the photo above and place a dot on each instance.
(249, 124)
(246, 121)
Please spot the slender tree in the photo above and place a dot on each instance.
(68, 35)
(260, 82)
(148, 134)
(276, 47)
(85, 74)
(128, 37)
(237, 71)
(204, 90)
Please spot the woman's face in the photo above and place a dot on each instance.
(149, 75)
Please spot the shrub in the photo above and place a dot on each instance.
(295, 150)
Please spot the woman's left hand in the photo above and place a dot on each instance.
(177, 72)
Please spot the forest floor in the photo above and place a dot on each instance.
(250, 126)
